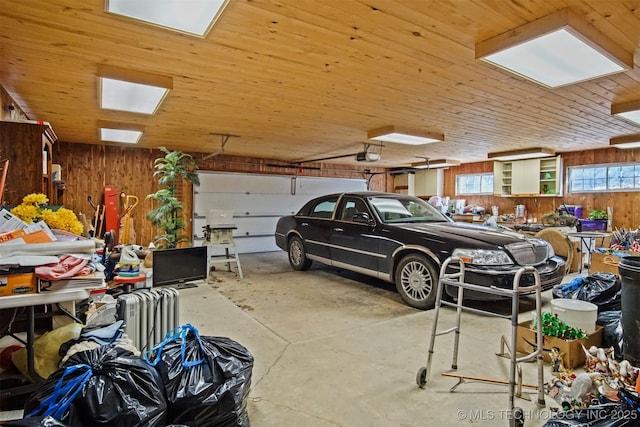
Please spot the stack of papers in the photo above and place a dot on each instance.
(88, 281)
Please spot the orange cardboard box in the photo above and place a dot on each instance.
(571, 350)
(18, 284)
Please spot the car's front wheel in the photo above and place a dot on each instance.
(298, 255)
(417, 281)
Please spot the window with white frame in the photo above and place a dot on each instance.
(605, 177)
(478, 183)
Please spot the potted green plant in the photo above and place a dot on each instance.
(597, 214)
(170, 171)
(596, 220)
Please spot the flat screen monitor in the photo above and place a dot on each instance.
(181, 265)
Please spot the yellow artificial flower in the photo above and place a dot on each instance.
(33, 209)
(36, 199)
(27, 213)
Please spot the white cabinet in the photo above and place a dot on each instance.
(525, 177)
(528, 178)
(427, 183)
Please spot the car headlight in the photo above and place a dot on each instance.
(483, 256)
(550, 250)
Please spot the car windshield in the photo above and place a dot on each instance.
(405, 209)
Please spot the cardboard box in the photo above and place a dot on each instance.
(608, 262)
(572, 353)
(18, 284)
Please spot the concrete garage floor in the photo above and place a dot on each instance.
(333, 348)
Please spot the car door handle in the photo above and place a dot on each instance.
(304, 224)
(338, 229)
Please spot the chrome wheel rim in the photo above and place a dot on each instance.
(416, 281)
(295, 252)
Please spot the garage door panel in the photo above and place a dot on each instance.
(306, 186)
(240, 183)
(257, 202)
(247, 204)
(245, 226)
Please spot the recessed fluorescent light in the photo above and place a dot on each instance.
(434, 164)
(629, 111)
(626, 141)
(527, 153)
(404, 135)
(120, 132)
(133, 91)
(191, 17)
(556, 50)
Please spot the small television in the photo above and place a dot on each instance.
(179, 265)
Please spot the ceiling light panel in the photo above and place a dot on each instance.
(626, 141)
(402, 135)
(434, 164)
(527, 153)
(556, 50)
(629, 111)
(132, 97)
(194, 17)
(123, 89)
(120, 135)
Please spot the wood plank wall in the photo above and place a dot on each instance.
(626, 205)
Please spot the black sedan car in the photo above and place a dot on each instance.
(404, 240)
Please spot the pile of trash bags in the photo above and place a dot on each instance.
(187, 379)
(605, 291)
(626, 413)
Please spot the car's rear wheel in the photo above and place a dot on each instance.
(417, 281)
(298, 255)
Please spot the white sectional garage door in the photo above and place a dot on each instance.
(257, 201)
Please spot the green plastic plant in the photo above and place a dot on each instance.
(171, 169)
(552, 326)
(597, 214)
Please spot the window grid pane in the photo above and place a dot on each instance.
(474, 184)
(602, 178)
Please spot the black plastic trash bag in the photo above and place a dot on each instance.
(601, 289)
(47, 421)
(206, 379)
(104, 386)
(622, 414)
(611, 322)
(606, 415)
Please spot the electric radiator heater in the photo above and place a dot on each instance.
(148, 314)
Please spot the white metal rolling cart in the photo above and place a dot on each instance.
(456, 280)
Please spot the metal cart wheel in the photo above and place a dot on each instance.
(421, 377)
(517, 417)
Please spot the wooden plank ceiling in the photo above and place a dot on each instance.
(305, 79)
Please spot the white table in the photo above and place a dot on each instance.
(587, 238)
(29, 301)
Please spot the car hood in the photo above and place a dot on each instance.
(466, 231)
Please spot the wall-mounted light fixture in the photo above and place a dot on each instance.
(195, 18)
(629, 111)
(435, 163)
(626, 141)
(128, 133)
(404, 135)
(526, 153)
(556, 50)
(133, 91)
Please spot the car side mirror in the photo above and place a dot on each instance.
(363, 218)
